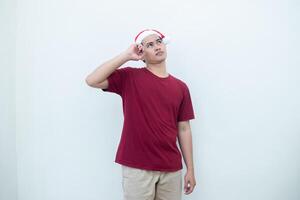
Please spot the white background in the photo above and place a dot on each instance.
(240, 60)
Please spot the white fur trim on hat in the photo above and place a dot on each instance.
(139, 38)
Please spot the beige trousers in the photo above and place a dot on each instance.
(139, 184)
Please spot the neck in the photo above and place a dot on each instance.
(158, 69)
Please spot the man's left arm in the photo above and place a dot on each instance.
(186, 146)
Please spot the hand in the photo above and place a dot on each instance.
(189, 182)
(135, 52)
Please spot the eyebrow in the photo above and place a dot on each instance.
(153, 41)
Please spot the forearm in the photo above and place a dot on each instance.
(186, 146)
(107, 68)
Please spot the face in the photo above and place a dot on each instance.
(154, 49)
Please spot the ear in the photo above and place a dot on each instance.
(140, 49)
(143, 57)
(141, 52)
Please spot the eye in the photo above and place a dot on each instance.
(150, 44)
(159, 41)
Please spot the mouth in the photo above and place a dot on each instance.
(159, 53)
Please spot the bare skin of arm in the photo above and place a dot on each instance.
(186, 146)
(98, 78)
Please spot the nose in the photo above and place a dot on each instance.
(157, 48)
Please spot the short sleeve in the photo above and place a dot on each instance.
(186, 111)
(117, 80)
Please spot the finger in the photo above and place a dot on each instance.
(187, 186)
(188, 191)
(140, 47)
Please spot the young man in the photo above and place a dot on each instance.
(157, 108)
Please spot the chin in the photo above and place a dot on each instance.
(159, 60)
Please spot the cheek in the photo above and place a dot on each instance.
(149, 54)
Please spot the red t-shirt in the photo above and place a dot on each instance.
(152, 107)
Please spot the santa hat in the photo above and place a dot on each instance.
(144, 33)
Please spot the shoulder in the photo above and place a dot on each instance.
(128, 69)
(134, 71)
(125, 69)
(180, 83)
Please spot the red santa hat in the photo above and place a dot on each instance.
(144, 33)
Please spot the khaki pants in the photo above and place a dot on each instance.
(139, 184)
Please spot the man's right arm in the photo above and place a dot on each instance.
(98, 78)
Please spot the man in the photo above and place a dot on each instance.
(157, 108)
